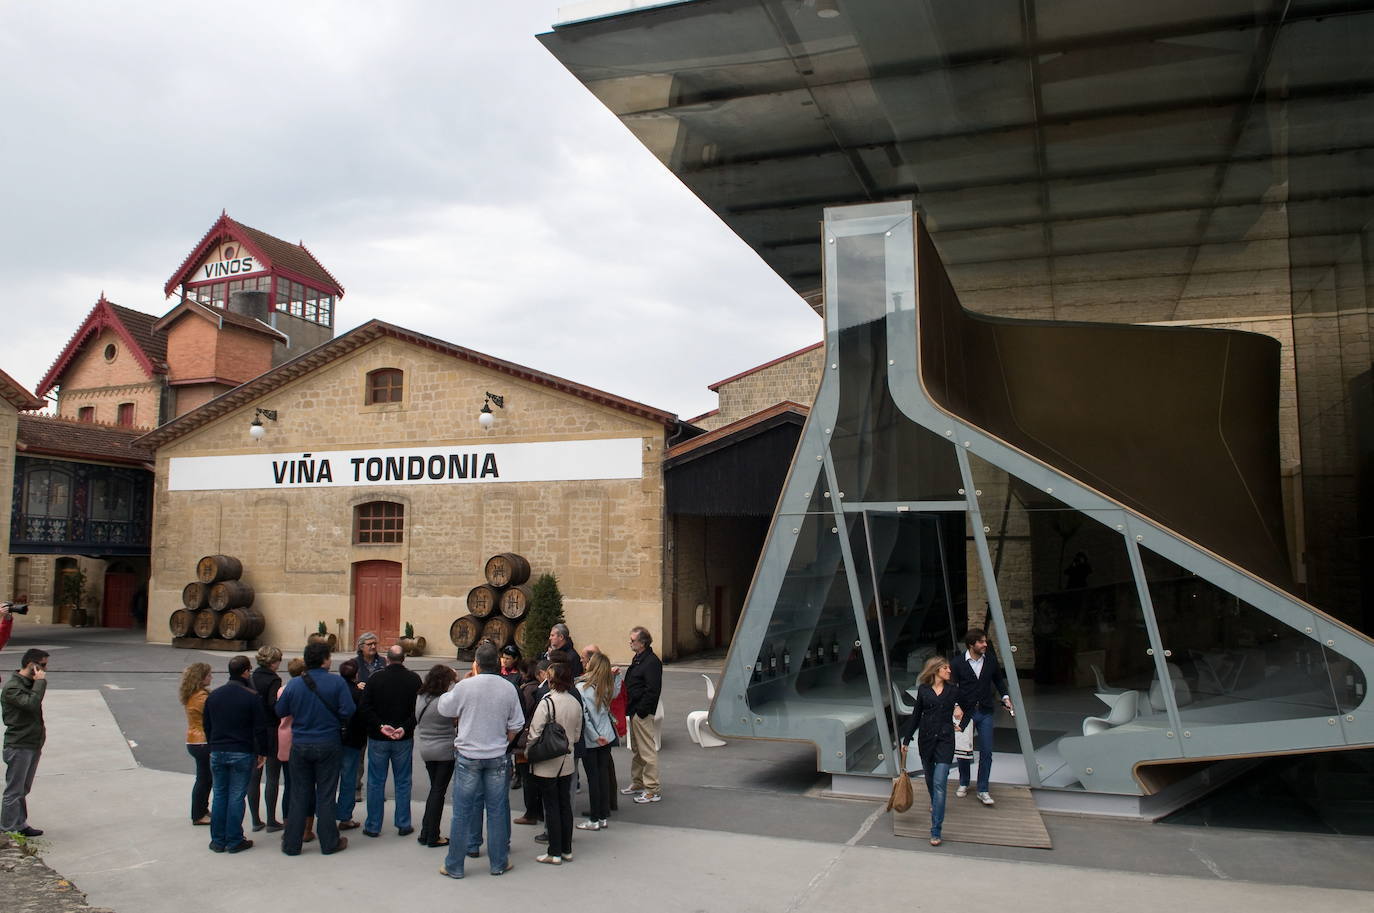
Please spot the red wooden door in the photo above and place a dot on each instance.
(377, 600)
(119, 599)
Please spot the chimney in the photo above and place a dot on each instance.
(249, 304)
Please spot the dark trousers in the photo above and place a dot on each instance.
(440, 775)
(200, 790)
(314, 769)
(596, 762)
(534, 802)
(273, 767)
(556, 793)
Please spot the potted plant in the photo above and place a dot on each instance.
(321, 635)
(407, 640)
(73, 595)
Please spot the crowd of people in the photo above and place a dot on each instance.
(329, 740)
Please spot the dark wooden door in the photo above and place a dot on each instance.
(117, 610)
(377, 600)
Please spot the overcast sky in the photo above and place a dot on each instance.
(439, 162)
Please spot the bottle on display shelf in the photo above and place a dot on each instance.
(758, 670)
(835, 649)
(786, 660)
(772, 662)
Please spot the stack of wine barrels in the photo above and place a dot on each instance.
(497, 608)
(217, 603)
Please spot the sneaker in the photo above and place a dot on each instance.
(567, 857)
(986, 799)
(549, 860)
(589, 825)
(604, 823)
(632, 790)
(646, 797)
(961, 792)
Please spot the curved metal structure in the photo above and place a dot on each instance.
(1104, 498)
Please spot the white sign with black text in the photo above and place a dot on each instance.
(544, 461)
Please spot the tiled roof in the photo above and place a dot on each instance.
(49, 435)
(134, 327)
(220, 315)
(354, 339)
(784, 408)
(18, 397)
(295, 259)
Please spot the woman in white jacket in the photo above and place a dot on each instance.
(553, 778)
(598, 688)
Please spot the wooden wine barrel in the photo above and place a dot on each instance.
(230, 594)
(483, 600)
(180, 622)
(465, 631)
(214, 568)
(507, 569)
(499, 630)
(420, 645)
(195, 595)
(515, 602)
(206, 623)
(519, 637)
(241, 624)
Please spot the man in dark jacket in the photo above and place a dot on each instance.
(643, 685)
(25, 733)
(236, 730)
(319, 705)
(388, 709)
(979, 681)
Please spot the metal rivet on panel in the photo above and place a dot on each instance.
(827, 494)
(886, 234)
(978, 492)
(833, 366)
(747, 667)
(744, 719)
(891, 362)
(882, 756)
(834, 529)
(758, 719)
(1331, 722)
(841, 494)
(1137, 538)
(1149, 651)
(1308, 629)
(961, 491)
(1049, 491)
(949, 433)
(966, 443)
(1187, 733)
(1331, 643)
(1350, 718)
(839, 754)
(1168, 652)
(1169, 734)
(1013, 648)
(1087, 770)
(1120, 526)
(827, 431)
(795, 530)
(987, 529)
(829, 240)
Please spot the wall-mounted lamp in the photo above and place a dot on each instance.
(485, 417)
(255, 428)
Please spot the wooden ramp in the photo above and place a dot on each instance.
(1013, 821)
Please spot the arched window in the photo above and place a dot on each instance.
(379, 523)
(385, 385)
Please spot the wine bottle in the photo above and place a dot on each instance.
(786, 660)
(835, 649)
(758, 670)
(772, 662)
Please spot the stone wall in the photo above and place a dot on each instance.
(603, 539)
(795, 378)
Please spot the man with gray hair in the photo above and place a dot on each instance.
(561, 647)
(488, 716)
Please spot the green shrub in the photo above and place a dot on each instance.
(546, 610)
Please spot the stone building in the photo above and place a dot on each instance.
(374, 495)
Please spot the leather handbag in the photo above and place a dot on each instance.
(552, 741)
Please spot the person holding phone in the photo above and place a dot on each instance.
(21, 702)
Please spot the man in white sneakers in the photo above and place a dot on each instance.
(643, 686)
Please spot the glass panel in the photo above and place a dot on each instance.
(1234, 664)
(1073, 614)
(810, 668)
(920, 601)
(880, 454)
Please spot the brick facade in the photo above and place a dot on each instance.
(103, 384)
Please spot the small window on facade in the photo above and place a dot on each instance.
(379, 523)
(126, 415)
(385, 385)
(111, 352)
(85, 414)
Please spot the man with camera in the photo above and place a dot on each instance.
(21, 702)
(7, 612)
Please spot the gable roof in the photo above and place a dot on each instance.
(218, 316)
(334, 349)
(292, 260)
(785, 412)
(767, 364)
(51, 435)
(149, 348)
(18, 397)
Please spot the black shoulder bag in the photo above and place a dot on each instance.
(552, 742)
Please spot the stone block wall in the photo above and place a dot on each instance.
(795, 378)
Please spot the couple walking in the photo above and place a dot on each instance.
(954, 696)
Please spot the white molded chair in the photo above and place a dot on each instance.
(698, 727)
(1123, 711)
(901, 701)
(1183, 695)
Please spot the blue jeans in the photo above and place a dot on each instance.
(231, 771)
(477, 784)
(982, 728)
(314, 791)
(399, 754)
(937, 784)
(348, 782)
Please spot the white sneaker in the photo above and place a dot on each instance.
(961, 792)
(589, 825)
(646, 797)
(631, 791)
(986, 799)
